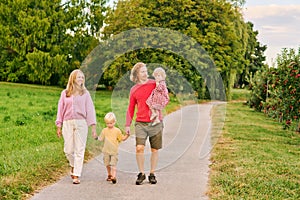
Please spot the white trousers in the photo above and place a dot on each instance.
(75, 135)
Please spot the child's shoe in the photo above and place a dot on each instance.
(114, 180)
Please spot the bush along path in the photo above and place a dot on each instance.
(276, 91)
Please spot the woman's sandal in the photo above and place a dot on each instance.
(109, 177)
(76, 180)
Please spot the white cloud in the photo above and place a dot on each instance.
(278, 26)
(257, 12)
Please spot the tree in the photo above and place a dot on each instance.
(276, 91)
(254, 56)
(42, 41)
(217, 25)
(237, 3)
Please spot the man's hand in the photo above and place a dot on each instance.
(127, 130)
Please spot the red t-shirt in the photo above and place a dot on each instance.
(139, 94)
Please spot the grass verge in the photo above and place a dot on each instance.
(254, 158)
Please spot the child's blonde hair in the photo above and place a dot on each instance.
(110, 117)
(160, 71)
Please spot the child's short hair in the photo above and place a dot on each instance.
(110, 117)
(161, 71)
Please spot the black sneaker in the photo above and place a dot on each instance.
(152, 179)
(140, 179)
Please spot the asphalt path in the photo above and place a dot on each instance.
(182, 172)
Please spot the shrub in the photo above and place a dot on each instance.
(276, 91)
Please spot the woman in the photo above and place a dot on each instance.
(75, 114)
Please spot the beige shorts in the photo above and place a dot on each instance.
(143, 130)
(110, 160)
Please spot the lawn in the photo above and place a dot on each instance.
(31, 155)
(254, 158)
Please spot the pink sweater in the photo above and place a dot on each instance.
(75, 107)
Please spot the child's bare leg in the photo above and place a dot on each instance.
(156, 119)
(109, 173)
(153, 114)
(114, 174)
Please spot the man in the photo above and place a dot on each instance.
(143, 125)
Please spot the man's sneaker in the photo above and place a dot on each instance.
(152, 179)
(140, 179)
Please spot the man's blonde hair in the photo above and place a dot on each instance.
(110, 117)
(134, 71)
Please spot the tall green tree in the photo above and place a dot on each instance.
(254, 56)
(41, 41)
(217, 26)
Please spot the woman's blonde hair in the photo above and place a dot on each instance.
(160, 71)
(134, 71)
(110, 117)
(72, 86)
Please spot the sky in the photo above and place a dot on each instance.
(277, 23)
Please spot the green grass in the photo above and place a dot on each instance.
(27, 138)
(254, 158)
(240, 94)
(31, 155)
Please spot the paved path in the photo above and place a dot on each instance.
(182, 171)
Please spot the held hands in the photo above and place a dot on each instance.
(95, 136)
(127, 130)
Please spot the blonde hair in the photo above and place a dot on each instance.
(110, 117)
(134, 71)
(72, 86)
(160, 71)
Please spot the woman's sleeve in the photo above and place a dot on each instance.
(60, 108)
(90, 110)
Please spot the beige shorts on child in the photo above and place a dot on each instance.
(110, 160)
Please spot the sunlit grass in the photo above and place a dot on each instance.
(31, 155)
(254, 158)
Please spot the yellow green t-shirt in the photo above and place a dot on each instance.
(111, 137)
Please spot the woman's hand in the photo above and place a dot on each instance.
(94, 132)
(58, 132)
